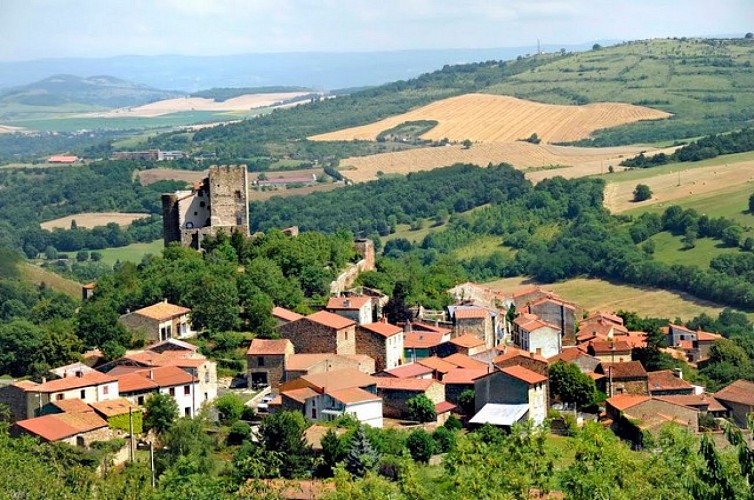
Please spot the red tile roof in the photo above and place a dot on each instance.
(404, 384)
(418, 326)
(411, 370)
(605, 347)
(351, 303)
(61, 425)
(694, 401)
(514, 352)
(339, 379)
(69, 383)
(464, 376)
(568, 355)
(665, 380)
(622, 402)
(707, 336)
(162, 311)
(353, 395)
(285, 314)
(62, 159)
(603, 316)
(331, 320)
(71, 406)
(559, 302)
(467, 340)
(740, 391)
(421, 340)
(300, 395)
(267, 347)
(524, 374)
(161, 376)
(444, 406)
(113, 407)
(531, 322)
(437, 364)
(382, 328)
(471, 313)
(464, 361)
(625, 369)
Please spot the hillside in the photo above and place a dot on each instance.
(494, 118)
(69, 93)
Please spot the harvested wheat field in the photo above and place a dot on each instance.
(7, 129)
(152, 175)
(167, 106)
(576, 162)
(90, 220)
(665, 187)
(497, 118)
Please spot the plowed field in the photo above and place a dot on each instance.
(496, 118)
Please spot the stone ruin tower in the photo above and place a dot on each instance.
(220, 201)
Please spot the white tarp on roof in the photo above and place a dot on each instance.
(497, 414)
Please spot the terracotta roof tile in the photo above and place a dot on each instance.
(382, 328)
(740, 391)
(707, 336)
(69, 383)
(350, 303)
(622, 402)
(444, 407)
(61, 425)
(464, 376)
(467, 340)
(464, 361)
(285, 314)
(300, 395)
(524, 374)
(471, 313)
(339, 379)
(153, 378)
(71, 406)
(554, 300)
(605, 347)
(162, 311)
(405, 384)
(267, 347)
(665, 380)
(411, 370)
(601, 315)
(353, 395)
(304, 361)
(568, 355)
(437, 364)
(330, 320)
(421, 340)
(113, 407)
(418, 327)
(514, 352)
(626, 369)
(693, 401)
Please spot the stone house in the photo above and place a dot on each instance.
(265, 362)
(628, 377)
(382, 342)
(468, 344)
(510, 395)
(738, 398)
(26, 399)
(705, 403)
(300, 365)
(609, 351)
(695, 344)
(668, 383)
(354, 307)
(633, 415)
(476, 321)
(556, 312)
(283, 315)
(321, 332)
(531, 333)
(136, 386)
(574, 355)
(512, 356)
(458, 380)
(76, 429)
(395, 392)
(600, 329)
(160, 321)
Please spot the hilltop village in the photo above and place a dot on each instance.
(492, 359)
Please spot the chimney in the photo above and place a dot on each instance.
(151, 374)
(79, 374)
(164, 301)
(65, 374)
(538, 351)
(346, 303)
(678, 373)
(44, 380)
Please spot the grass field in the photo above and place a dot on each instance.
(669, 249)
(482, 247)
(90, 220)
(600, 295)
(133, 253)
(496, 118)
(37, 275)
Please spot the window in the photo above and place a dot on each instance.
(187, 411)
(172, 391)
(83, 393)
(60, 397)
(260, 360)
(106, 390)
(237, 195)
(206, 377)
(202, 204)
(186, 390)
(314, 413)
(206, 396)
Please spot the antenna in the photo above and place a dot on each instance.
(539, 47)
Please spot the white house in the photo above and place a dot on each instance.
(532, 334)
(364, 406)
(182, 386)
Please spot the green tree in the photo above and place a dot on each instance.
(96, 256)
(571, 385)
(283, 433)
(713, 480)
(466, 401)
(421, 408)
(732, 235)
(230, 407)
(188, 438)
(361, 457)
(334, 450)
(466, 143)
(421, 445)
(689, 239)
(239, 431)
(445, 439)
(215, 304)
(51, 253)
(82, 256)
(596, 46)
(749, 35)
(642, 192)
(161, 412)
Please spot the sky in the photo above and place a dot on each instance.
(35, 29)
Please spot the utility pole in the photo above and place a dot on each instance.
(131, 431)
(151, 460)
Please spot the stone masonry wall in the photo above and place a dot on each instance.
(310, 337)
(273, 366)
(372, 345)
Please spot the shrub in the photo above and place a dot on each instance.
(421, 408)
(445, 440)
(230, 408)
(238, 432)
(421, 445)
(642, 192)
(453, 424)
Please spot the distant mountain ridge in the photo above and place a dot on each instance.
(99, 91)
